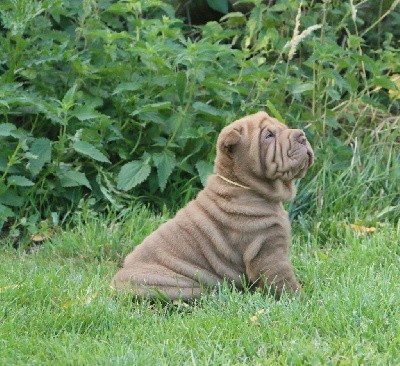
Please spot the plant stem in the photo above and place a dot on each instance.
(11, 161)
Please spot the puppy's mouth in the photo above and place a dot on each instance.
(301, 159)
(310, 156)
(302, 152)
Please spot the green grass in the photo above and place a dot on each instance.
(56, 306)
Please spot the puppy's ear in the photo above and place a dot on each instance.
(229, 139)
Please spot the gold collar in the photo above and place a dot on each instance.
(232, 182)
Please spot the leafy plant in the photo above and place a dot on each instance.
(111, 102)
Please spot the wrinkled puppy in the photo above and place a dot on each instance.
(236, 227)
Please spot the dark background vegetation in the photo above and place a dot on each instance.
(106, 103)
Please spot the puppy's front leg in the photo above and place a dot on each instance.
(273, 270)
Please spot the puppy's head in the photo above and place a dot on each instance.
(258, 151)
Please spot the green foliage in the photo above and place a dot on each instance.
(117, 101)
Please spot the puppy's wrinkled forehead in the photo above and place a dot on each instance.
(260, 120)
(272, 124)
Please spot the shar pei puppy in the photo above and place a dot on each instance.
(236, 229)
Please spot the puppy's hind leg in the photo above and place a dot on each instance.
(157, 284)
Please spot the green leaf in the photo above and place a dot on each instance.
(73, 178)
(165, 164)
(279, 7)
(128, 86)
(234, 19)
(353, 42)
(331, 121)
(156, 106)
(3, 188)
(4, 165)
(384, 82)
(19, 180)
(110, 197)
(119, 8)
(132, 174)
(301, 88)
(5, 212)
(4, 104)
(88, 149)
(181, 81)
(69, 97)
(205, 169)
(86, 112)
(275, 113)
(6, 129)
(10, 198)
(206, 108)
(333, 93)
(41, 148)
(219, 5)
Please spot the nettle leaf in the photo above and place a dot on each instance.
(109, 196)
(354, 42)
(73, 178)
(219, 5)
(206, 108)
(384, 82)
(132, 174)
(5, 212)
(155, 106)
(275, 113)
(4, 104)
(205, 169)
(333, 93)
(69, 97)
(86, 112)
(181, 81)
(165, 164)
(299, 88)
(278, 7)
(128, 86)
(4, 165)
(10, 198)
(7, 129)
(41, 149)
(3, 188)
(88, 149)
(234, 19)
(19, 180)
(119, 8)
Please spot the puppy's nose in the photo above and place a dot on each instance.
(300, 137)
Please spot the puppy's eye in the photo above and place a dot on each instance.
(269, 135)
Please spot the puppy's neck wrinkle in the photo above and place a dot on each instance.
(223, 170)
(274, 190)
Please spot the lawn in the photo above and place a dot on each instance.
(56, 306)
